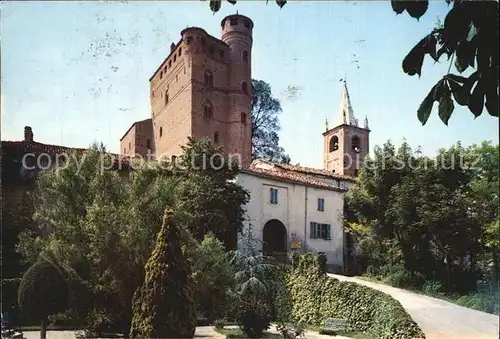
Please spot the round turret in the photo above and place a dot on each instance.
(239, 24)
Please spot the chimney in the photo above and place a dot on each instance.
(28, 133)
(172, 47)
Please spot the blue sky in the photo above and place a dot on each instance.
(78, 72)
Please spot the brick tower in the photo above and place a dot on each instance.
(347, 144)
(203, 89)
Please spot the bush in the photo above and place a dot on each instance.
(253, 316)
(43, 291)
(432, 288)
(163, 306)
(291, 332)
(219, 324)
(316, 297)
(212, 276)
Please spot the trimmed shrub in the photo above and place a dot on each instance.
(163, 306)
(253, 316)
(43, 291)
(432, 288)
(316, 297)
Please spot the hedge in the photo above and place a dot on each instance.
(316, 297)
(9, 293)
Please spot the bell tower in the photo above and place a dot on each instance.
(347, 144)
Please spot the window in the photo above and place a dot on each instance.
(129, 146)
(356, 144)
(175, 57)
(148, 143)
(216, 137)
(321, 204)
(173, 158)
(234, 22)
(334, 144)
(274, 196)
(320, 231)
(209, 79)
(188, 40)
(221, 53)
(246, 23)
(208, 110)
(165, 70)
(124, 150)
(169, 63)
(180, 51)
(166, 97)
(244, 117)
(161, 75)
(245, 56)
(211, 50)
(161, 131)
(244, 87)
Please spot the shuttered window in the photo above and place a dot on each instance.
(320, 231)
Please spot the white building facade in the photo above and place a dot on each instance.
(295, 208)
(292, 209)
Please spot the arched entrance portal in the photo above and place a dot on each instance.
(275, 239)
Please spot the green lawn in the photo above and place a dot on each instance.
(237, 333)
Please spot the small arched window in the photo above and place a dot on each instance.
(180, 51)
(334, 144)
(244, 87)
(208, 111)
(166, 97)
(208, 79)
(169, 63)
(161, 75)
(175, 57)
(216, 137)
(148, 143)
(243, 117)
(161, 132)
(245, 56)
(356, 144)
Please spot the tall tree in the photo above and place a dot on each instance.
(265, 124)
(164, 305)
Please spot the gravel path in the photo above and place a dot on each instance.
(201, 332)
(439, 319)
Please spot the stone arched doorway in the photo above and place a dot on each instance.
(275, 239)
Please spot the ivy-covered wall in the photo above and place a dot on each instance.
(316, 297)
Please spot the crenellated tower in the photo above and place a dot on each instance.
(347, 144)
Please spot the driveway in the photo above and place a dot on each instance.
(439, 319)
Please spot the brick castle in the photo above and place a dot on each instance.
(202, 89)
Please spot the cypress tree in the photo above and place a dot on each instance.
(163, 306)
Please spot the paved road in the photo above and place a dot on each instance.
(439, 319)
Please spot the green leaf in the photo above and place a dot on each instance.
(476, 101)
(232, 2)
(464, 55)
(492, 103)
(215, 5)
(461, 96)
(456, 78)
(445, 107)
(417, 8)
(398, 6)
(412, 63)
(424, 111)
(281, 3)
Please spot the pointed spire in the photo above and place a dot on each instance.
(345, 111)
(366, 122)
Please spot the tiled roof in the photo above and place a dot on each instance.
(38, 147)
(291, 177)
(307, 170)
